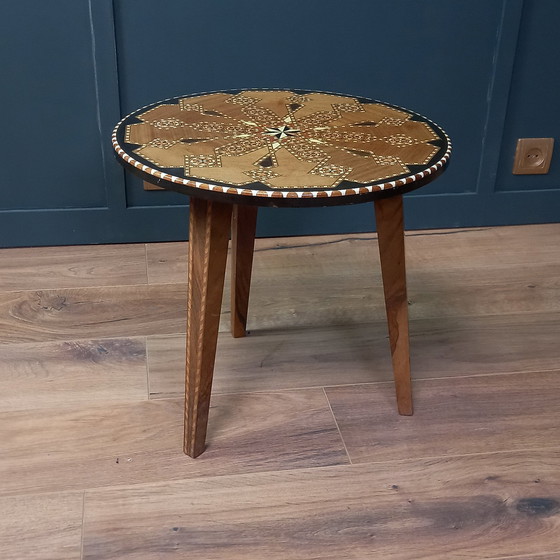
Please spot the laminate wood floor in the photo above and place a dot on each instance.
(307, 457)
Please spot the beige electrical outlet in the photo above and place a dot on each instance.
(532, 156)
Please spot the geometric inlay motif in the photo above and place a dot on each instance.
(283, 140)
(161, 143)
(168, 123)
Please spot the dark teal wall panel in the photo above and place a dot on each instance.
(434, 56)
(483, 69)
(51, 149)
(534, 103)
(59, 182)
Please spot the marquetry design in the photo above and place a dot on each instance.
(387, 160)
(165, 124)
(298, 99)
(399, 140)
(330, 170)
(262, 175)
(281, 132)
(218, 130)
(391, 121)
(185, 106)
(271, 143)
(161, 143)
(304, 151)
(203, 160)
(242, 99)
(353, 107)
(337, 137)
(240, 146)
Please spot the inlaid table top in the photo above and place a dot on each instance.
(281, 148)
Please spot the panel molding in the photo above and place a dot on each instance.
(104, 53)
(498, 94)
(65, 225)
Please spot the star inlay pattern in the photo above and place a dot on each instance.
(281, 132)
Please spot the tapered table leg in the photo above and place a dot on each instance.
(209, 230)
(243, 228)
(390, 232)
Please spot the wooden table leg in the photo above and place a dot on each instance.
(243, 228)
(209, 230)
(390, 232)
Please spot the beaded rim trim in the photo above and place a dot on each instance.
(192, 183)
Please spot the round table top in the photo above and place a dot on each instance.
(281, 147)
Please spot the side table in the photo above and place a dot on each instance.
(233, 151)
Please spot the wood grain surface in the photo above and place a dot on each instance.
(166, 263)
(390, 232)
(71, 373)
(81, 313)
(453, 417)
(71, 449)
(336, 280)
(350, 354)
(45, 526)
(435, 250)
(243, 229)
(72, 267)
(473, 474)
(209, 231)
(469, 507)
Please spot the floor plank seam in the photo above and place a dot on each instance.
(283, 390)
(147, 366)
(153, 396)
(373, 237)
(237, 475)
(82, 533)
(337, 427)
(150, 283)
(77, 288)
(287, 328)
(287, 471)
(491, 374)
(78, 340)
(535, 556)
(146, 263)
(461, 455)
